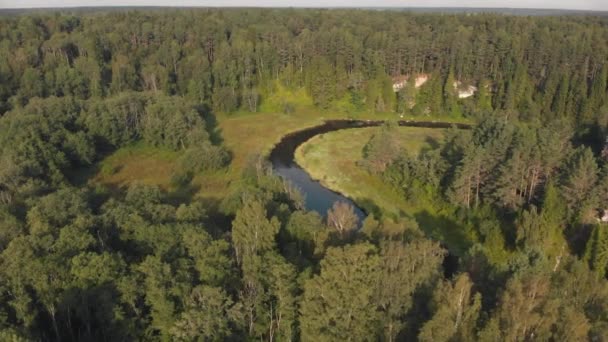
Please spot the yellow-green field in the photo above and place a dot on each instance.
(332, 159)
(139, 162)
(244, 134)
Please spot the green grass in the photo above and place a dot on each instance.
(332, 159)
(138, 162)
(245, 134)
(275, 101)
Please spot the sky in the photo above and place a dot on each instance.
(553, 4)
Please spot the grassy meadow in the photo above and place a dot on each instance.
(245, 134)
(138, 162)
(332, 158)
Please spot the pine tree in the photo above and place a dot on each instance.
(484, 97)
(596, 252)
(597, 98)
(580, 179)
(322, 82)
(450, 95)
(561, 97)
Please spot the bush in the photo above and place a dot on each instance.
(204, 158)
(288, 108)
(181, 178)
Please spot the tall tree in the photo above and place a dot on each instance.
(338, 303)
(580, 179)
(252, 232)
(343, 219)
(405, 269)
(456, 309)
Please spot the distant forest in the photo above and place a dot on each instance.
(539, 68)
(524, 190)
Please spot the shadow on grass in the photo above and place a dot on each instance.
(431, 145)
(432, 142)
(183, 193)
(369, 207)
(211, 124)
(79, 177)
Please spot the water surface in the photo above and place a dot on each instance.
(318, 197)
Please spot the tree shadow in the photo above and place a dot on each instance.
(369, 207)
(183, 193)
(87, 314)
(432, 142)
(80, 176)
(217, 222)
(183, 190)
(211, 124)
(444, 229)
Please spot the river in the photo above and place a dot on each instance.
(318, 197)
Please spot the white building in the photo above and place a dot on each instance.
(464, 91)
(399, 82)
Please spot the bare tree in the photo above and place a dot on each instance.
(342, 217)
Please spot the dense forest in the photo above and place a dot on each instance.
(526, 187)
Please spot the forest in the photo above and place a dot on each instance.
(521, 197)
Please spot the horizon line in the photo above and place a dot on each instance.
(302, 7)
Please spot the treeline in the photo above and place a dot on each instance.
(521, 191)
(77, 265)
(542, 187)
(83, 264)
(524, 199)
(534, 67)
(45, 142)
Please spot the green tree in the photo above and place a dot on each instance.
(32, 83)
(456, 309)
(322, 82)
(526, 311)
(484, 96)
(580, 179)
(158, 286)
(450, 94)
(596, 252)
(405, 269)
(211, 257)
(338, 303)
(382, 148)
(252, 232)
(206, 316)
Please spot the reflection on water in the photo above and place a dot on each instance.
(318, 197)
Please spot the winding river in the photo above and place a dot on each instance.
(318, 197)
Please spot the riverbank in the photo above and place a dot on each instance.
(245, 134)
(332, 159)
